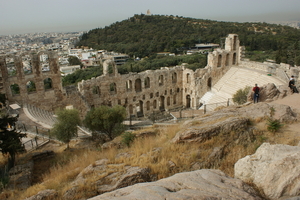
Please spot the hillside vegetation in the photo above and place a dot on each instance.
(144, 35)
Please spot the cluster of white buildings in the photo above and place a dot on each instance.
(62, 43)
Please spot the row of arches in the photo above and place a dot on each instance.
(31, 87)
(27, 65)
(138, 84)
(227, 60)
(156, 104)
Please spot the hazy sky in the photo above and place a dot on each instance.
(29, 16)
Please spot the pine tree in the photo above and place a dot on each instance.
(10, 139)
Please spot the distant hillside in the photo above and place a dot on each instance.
(143, 35)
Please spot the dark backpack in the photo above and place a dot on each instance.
(256, 90)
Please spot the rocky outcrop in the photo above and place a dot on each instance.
(283, 113)
(200, 184)
(202, 132)
(269, 92)
(20, 176)
(235, 118)
(275, 169)
(44, 195)
(119, 176)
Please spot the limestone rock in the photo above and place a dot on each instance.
(20, 176)
(44, 195)
(118, 177)
(275, 169)
(200, 184)
(283, 113)
(202, 132)
(267, 92)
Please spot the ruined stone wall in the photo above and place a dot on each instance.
(168, 88)
(32, 78)
(142, 94)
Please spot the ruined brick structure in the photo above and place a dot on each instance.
(141, 93)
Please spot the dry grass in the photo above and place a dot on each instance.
(156, 152)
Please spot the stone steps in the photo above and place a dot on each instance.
(236, 78)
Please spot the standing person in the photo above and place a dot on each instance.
(256, 93)
(292, 85)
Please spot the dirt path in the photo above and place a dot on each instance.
(290, 132)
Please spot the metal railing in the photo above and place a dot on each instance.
(213, 106)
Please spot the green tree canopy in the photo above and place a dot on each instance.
(144, 35)
(240, 97)
(106, 119)
(10, 139)
(73, 60)
(66, 126)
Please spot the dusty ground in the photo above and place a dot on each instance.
(290, 133)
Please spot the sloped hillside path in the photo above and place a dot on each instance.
(291, 131)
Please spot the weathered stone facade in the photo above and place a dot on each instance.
(141, 93)
(31, 78)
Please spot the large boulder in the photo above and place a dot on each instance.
(200, 184)
(203, 131)
(274, 169)
(281, 112)
(268, 92)
(119, 176)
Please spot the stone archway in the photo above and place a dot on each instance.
(188, 101)
(162, 103)
(139, 109)
(209, 84)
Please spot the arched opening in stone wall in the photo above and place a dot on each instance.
(234, 59)
(174, 77)
(151, 95)
(162, 103)
(96, 90)
(138, 85)
(168, 101)
(171, 91)
(113, 88)
(219, 61)
(188, 101)
(148, 105)
(11, 67)
(139, 109)
(193, 102)
(157, 94)
(111, 69)
(174, 99)
(126, 102)
(30, 85)
(154, 104)
(209, 84)
(44, 62)
(147, 82)
(47, 83)
(161, 80)
(227, 60)
(15, 89)
(130, 109)
(234, 42)
(187, 77)
(128, 85)
(27, 65)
